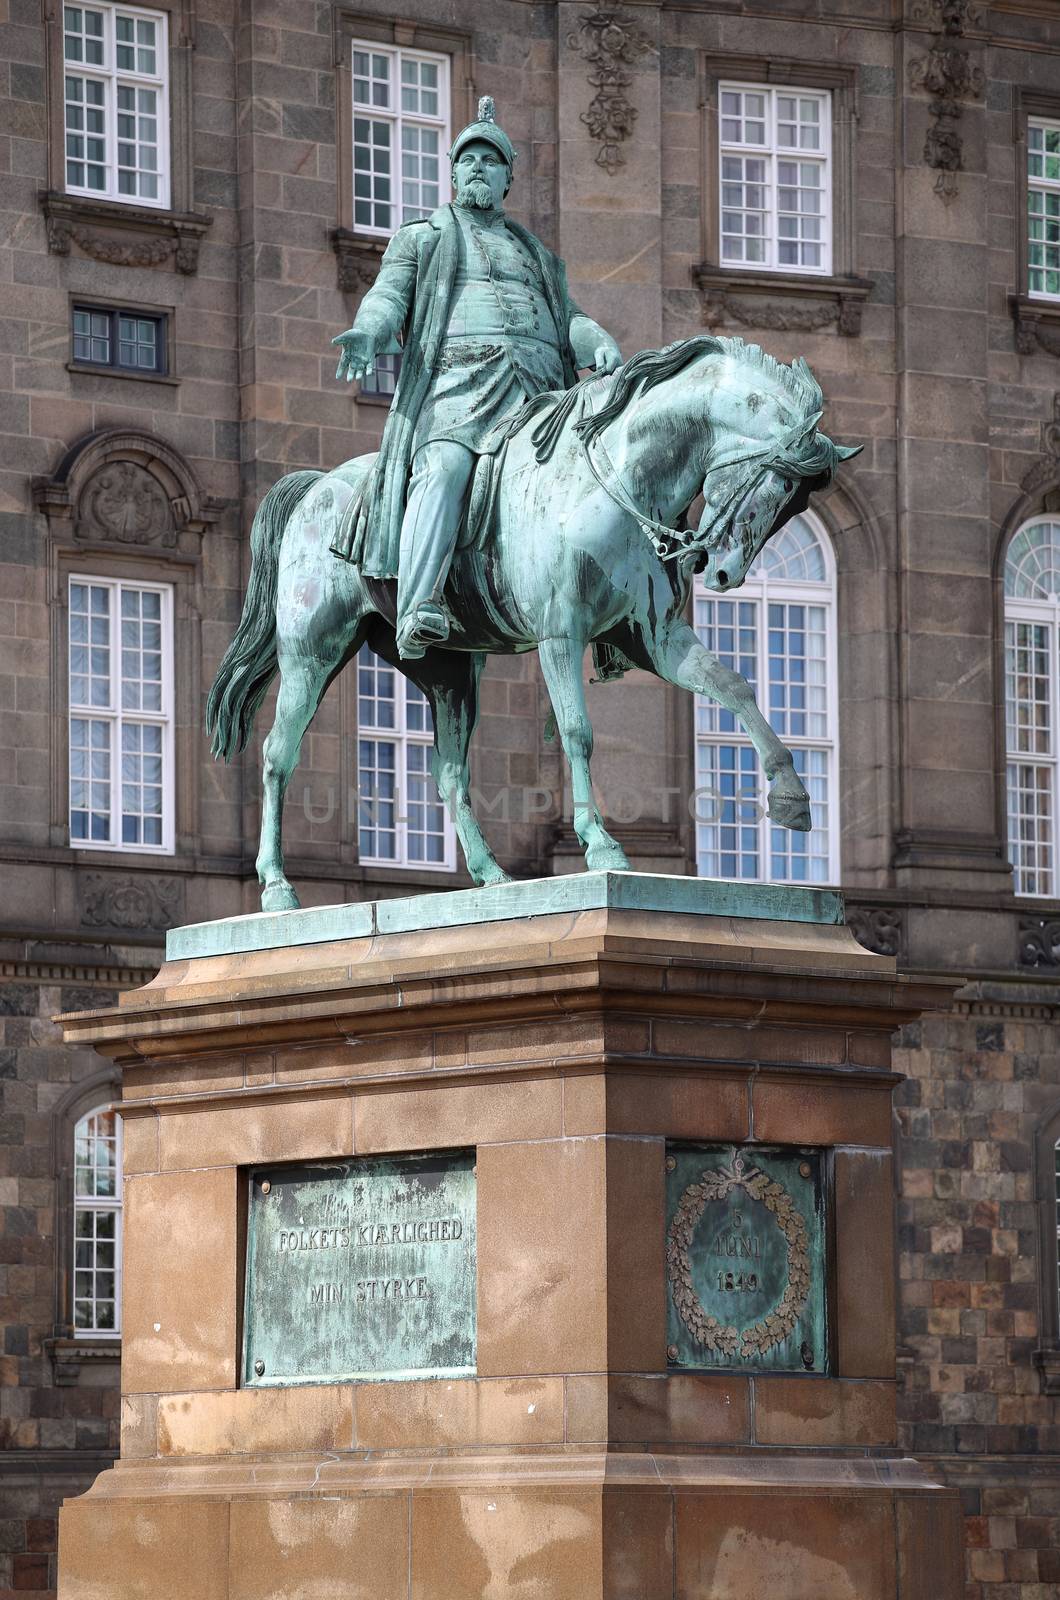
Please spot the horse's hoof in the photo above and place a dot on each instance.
(608, 857)
(490, 879)
(793, 814)
(279, 897)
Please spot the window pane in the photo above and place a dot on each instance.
(371, 79)
(1032, 565)
(1027, 688)
(138, 339)
(92, 337)
(377, 793)
(86, 144)
(1030, 827)
(727, 810)
(426, 814)
(420, 172)
(376, 692)
(803, 857)
(96, 1230)
(372, 176)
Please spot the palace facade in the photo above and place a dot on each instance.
(196, 195)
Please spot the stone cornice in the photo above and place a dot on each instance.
(596, 965)
(780, 302)
(121, 235)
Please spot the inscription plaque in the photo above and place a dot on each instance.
(360, 1269)
(747, 1257)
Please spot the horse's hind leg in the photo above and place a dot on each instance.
(561, 662)
(302, 683)
(450, 681)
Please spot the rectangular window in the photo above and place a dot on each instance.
(121, 717)
(775, 178)
(97, 1224)
(131, 341)
(116, 95)
(400, 135)
(402, 821)
(1043, 209)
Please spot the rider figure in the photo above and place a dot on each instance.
(486, 322)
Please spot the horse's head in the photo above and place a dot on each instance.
(767, 457)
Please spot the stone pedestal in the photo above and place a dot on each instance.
(570, 1049)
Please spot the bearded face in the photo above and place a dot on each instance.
(480, 176)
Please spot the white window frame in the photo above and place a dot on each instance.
(761, 589)
(96, 1203)
(116, 716)
(396, 118)
(1042, 613)
(109, 75)
(402, 736)
(771, 152)
(1046, 186)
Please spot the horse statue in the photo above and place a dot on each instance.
(573, 539)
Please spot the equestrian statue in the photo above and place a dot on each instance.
(513, 506)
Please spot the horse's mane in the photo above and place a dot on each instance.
(642, 372)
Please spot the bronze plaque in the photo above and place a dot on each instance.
(360, 1269)
(747, 1257)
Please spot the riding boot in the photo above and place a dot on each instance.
(441, 474)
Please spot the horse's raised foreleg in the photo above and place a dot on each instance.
(678, 656)
(450, 680)
(303, 680)
(561, 663)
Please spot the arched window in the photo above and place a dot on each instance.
(778, 630)
(97, 1224)
(1032, 660)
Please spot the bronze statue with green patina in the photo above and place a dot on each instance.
(512, 507)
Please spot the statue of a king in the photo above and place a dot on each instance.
(481, 314)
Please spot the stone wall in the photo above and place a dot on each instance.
(974, 1276)
(59, 1403)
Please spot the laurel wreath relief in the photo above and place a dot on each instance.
(717, 1184)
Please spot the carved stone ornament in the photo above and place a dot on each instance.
(357, 260)
(1039, 942)
(717, 1183)
(947, 16)
(610, 43)
(122, 501)
(124, 236)
(141, 904)
(121, 487)
(780, 306)
(1047, 470)
(949, 75)
(1037, 326)
(878, 928)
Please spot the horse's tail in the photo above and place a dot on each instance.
(249, 663)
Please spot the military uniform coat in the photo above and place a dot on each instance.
(413, 297)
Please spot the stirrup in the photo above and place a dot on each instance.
(428, 624)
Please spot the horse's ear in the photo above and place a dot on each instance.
(845, 451)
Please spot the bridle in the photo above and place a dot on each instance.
(667, 542)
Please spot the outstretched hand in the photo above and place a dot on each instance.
(357, 354)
